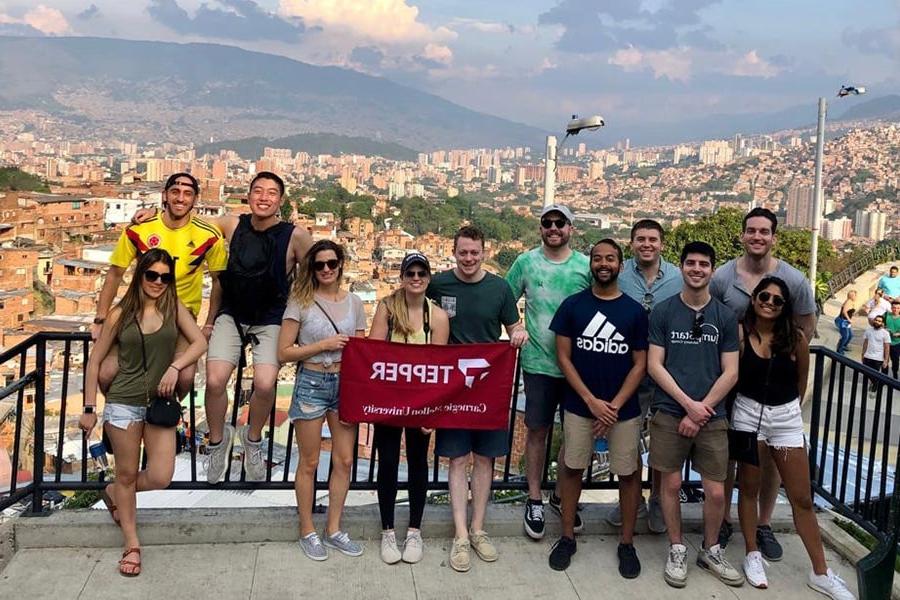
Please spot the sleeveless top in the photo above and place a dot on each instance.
(348, 315)
(417, 337)
(129, 385)
(769, 384)
(280, 234)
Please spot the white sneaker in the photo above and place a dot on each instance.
(676, 566)
(414, 547)
(713, 560)
(831, 585)
(254, 464)
(755, 570)
(390, 553)
(217, 456)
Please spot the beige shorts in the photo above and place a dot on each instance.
(624, 456)
(225, 342)
(669, 449)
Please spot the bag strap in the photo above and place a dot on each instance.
(426, 322)
(327, 316)
(143, 358)
(762, 405)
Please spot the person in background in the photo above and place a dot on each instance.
(319, 320)
(478, 303)
(601, 338)
(876, 306)
(546, 276)
(876, 349)
(892, 324)
(406, 317)
(146, 325)
(844, 322)
(648, 279)
(890, 284)
(732, 284)
(773, 372)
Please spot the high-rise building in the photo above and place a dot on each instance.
(870, 224)
(716, 152)
(799, 206)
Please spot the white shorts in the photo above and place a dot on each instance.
(781, 426)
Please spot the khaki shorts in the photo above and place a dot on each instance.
(225, 343)
(624, 458)
(669, 449)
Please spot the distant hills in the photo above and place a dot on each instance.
(312, 143)
(161, 92)
(885, 107)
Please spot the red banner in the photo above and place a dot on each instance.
(459, 386)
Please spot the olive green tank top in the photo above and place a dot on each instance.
(129, 385)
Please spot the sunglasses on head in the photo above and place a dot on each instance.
(548, 223)
(774, 298)
(412, 274)
(152, 276)
(697, 328)
(319, 265)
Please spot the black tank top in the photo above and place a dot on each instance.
(769, 384)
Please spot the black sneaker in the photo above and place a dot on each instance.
(767, 543)
(554, 504)
(561, 553)
(534, 519)
(725, 532)
(629, 565)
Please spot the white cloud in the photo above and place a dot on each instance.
(438, 53)
(674, 64)
(387, 21)
(481, 26)
(752, 65)
(46, 20)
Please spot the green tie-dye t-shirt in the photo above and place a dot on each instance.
(545, 284)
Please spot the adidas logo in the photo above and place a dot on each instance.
(600, 335)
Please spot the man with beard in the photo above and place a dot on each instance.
(876, 347)
(693, 358)
(732, 284)
(191, 241)
(546, 275)
(601, 342)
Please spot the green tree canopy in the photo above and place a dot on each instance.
(14, 179)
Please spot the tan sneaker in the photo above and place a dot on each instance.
(459, 556)
(483, 546)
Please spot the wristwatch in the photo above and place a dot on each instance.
(88, 410)
(99, 320)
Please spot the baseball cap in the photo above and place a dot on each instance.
(564, 211)
(412, 258)
(173, 178)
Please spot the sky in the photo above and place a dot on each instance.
(537, 61)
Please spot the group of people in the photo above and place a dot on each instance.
(611, 344)
(881, 338)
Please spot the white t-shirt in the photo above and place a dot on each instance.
(874, 309)
(877, 338)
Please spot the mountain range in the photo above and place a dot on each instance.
(196, 92)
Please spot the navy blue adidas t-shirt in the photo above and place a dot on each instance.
(604, 333)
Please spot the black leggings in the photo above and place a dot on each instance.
(387, 444)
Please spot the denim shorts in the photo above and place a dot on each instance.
(123, 415)
(314, 394)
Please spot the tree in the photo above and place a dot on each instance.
(721, 230)
(505, 257)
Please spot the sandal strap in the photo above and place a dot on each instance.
(130, 551)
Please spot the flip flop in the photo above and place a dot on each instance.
(130, 563)
(110, 505)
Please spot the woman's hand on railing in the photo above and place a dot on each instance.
(87, 422)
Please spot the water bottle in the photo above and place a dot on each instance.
(601, 449)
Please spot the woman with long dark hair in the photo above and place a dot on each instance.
(407, 317)
(145, 324)
(319, 320)
(774, 367)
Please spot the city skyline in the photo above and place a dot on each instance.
(643, 65)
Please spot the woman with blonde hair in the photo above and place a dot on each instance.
(145, 325)
(407, 317)
(319, 320)
(843, 322)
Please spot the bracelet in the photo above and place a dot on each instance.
(177, 370)
(207, 325)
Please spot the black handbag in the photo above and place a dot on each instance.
(161, 410)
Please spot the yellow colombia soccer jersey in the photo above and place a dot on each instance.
(189, 245)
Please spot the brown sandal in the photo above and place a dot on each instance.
(130, 563)
(110, 505)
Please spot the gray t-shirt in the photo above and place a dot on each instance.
(348, 315)
(727, 287)
(694, 362)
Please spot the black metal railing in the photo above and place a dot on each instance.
(886, 251)
(43, 387)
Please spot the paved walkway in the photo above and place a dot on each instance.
(274, 570)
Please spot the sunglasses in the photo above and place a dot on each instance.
(152, 276)
(548, 223)
(319, 265)
(647, 302)
(415, 274)
(774, 298)
(697, 328)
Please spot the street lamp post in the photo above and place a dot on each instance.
(846, 90)
(574, 127)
